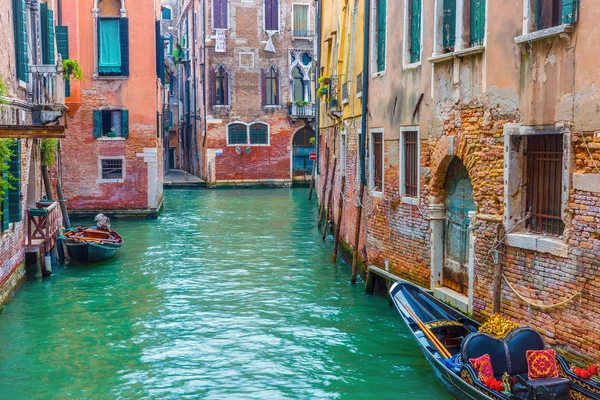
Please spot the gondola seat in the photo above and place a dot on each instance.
(509, 355)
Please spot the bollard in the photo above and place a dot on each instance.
(185, 176)
(48, 263)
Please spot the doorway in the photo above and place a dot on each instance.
(302, 165)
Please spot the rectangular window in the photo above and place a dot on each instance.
(380, 34)
(300, 27)
(111, 123)
(109, 47)
(112, 168)
(414, 26)
(271, 9)
(410, 164)
(259, 134)
(47, 36)
(220, 14)
(376, 161)
(544, 157)
(237, 134)
(20, 25)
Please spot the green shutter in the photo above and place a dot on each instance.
(381, 33)
(170, 118)
(20, 24)
(14, 195)
(569, 11)
(124, 37)
(449, 25)
(47, 22)
(125, 123)
(5, 214)
(50, 38)
(478, 22)
(415, 30)
(62, 45)
(97, 123)
(160, 54)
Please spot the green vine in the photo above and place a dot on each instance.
(3, 90)
(48, 148)
(6, 154)
(177, 54)
(72, 70)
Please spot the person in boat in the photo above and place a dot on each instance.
(102, 222)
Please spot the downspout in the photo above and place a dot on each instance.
(365, 94)
(194, 23)
(316, 96)
(204, 71)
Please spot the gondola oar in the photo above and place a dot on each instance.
(432, 338)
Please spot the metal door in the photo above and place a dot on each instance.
(459, 201)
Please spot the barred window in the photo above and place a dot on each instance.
(259, 134)
(411, 164)
(376, 161)
(112, 168)
(237, 134)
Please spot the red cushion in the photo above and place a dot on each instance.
(541, 364)
(483, 367)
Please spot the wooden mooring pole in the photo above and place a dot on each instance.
(329, 199)
(338, 225)
(357, 235)
(322, 198)
(312, 182)
(497, 285)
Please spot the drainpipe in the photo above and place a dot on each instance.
(315, 96)
(194, 23)
(365, 94)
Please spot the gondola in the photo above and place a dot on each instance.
(449, 339)
(89, 245)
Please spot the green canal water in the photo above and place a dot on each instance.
(229, 294)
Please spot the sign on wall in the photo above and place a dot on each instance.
(220, 45)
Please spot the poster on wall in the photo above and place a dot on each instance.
(220, 46)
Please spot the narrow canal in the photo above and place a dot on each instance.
(229, 294)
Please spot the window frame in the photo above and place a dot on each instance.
(275, 92)
(308, 25)
(462, 43)
(100, 179)
(529, 22)
(105, 75)
(406, 59)
(375, 39)
(225, 78)
(373, 191)
(164, 8)
(278, 16)
(227, 20)
(405, 198)
(248, 125)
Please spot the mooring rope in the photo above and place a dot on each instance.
(533, 303)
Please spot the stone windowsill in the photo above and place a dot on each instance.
(437, 58)
(110, 180)
(110, 139)
(378, 74)
(377, 195)
(544, 34)
(308, 38)
(539, 243)
(109, 78)
(410, 200)
(414, 65)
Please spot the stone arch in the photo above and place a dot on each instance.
(110, 8)
(300, 165)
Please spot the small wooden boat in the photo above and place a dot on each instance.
(88, 245)
(449, 339)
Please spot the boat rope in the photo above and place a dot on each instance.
(539, 305)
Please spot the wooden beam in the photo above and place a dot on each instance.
(32, 131)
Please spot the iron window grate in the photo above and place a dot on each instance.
(411, 164)
(112, 168)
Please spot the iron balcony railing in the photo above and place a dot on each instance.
(47, 85)
(302, 33)
(307, 111)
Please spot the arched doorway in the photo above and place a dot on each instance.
(301, 148)
(459, 202)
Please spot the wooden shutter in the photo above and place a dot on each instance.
(415, 30)
(449, 25)
(5, 213)
(263, 86)
(225, 88)
(569, 11)
(271, 15)
(62, 45)
(220, 14)
(20, 24)
(125, 123)
(97, 123)
(14, 195)
(160, 54)
(381, 33)
(477, 28)
(124, 36)
(50, 37)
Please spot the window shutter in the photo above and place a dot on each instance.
(20, 24)
(44, 27)
(62, 41)
(263, 86)
(569, 11)
(381, 33)
(415, 31)
(125, 123)
(226, 88)
(51, 37)
(449, 25)
(212, 87)
(160, 54)
(14, 195)
(271, 15)
(5, 213)
(97, 123)
(478, 22)
(277, 99)
(220, 14)
(124, 36)
(224, 15)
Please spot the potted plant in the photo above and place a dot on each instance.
(72, 70)
(324, 80)
(322, 90)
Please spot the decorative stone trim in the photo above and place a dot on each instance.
(542, 244)
(555, 31)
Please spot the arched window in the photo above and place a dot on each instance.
(166, 14)
(297, 84)
(221, 87)
(168, 39)
(271, 87)
(259, 133)
(237, 134)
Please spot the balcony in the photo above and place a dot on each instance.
(43, 224)
(47, 87)
(300, 34)
(302, 111)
